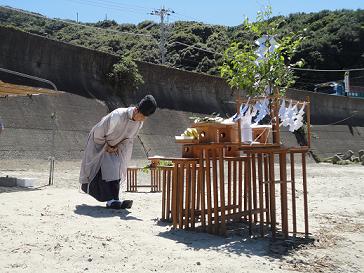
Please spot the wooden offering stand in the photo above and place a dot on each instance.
(221, 183)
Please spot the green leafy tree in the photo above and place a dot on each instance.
(125, 76)
(255, 69)
(333, 40)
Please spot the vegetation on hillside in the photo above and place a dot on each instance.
(334, 40)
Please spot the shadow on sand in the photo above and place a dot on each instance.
(239, 243)
(102, 212)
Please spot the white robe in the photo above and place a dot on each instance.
(116, 128)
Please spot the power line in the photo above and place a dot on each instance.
(198, 48)
(102, 4)
(124, 5)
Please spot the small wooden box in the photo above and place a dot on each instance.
(229, 133)
(207, 132)
(189, 151)
(232, 151)
(216, 132)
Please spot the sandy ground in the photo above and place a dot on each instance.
(58, 229)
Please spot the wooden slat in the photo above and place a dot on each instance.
(304, 177)
(293, 193)
(260, 186)
(208, 189)
(222, 192)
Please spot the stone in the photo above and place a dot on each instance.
(26, 182)
(361, 153)
(348, 155)
(336, 159)
(361, 158)
(343, 162)
(355, 159)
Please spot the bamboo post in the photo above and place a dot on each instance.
(275, 124)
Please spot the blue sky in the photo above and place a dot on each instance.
(228, 12)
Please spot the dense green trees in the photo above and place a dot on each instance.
(334, 39)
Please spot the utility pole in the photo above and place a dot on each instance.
(162, 13)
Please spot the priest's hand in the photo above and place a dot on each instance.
(112, 149)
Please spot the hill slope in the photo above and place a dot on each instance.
(334, 40)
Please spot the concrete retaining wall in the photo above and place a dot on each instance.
(82, 72)
(29, 128)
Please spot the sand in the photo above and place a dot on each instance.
(58, 229)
